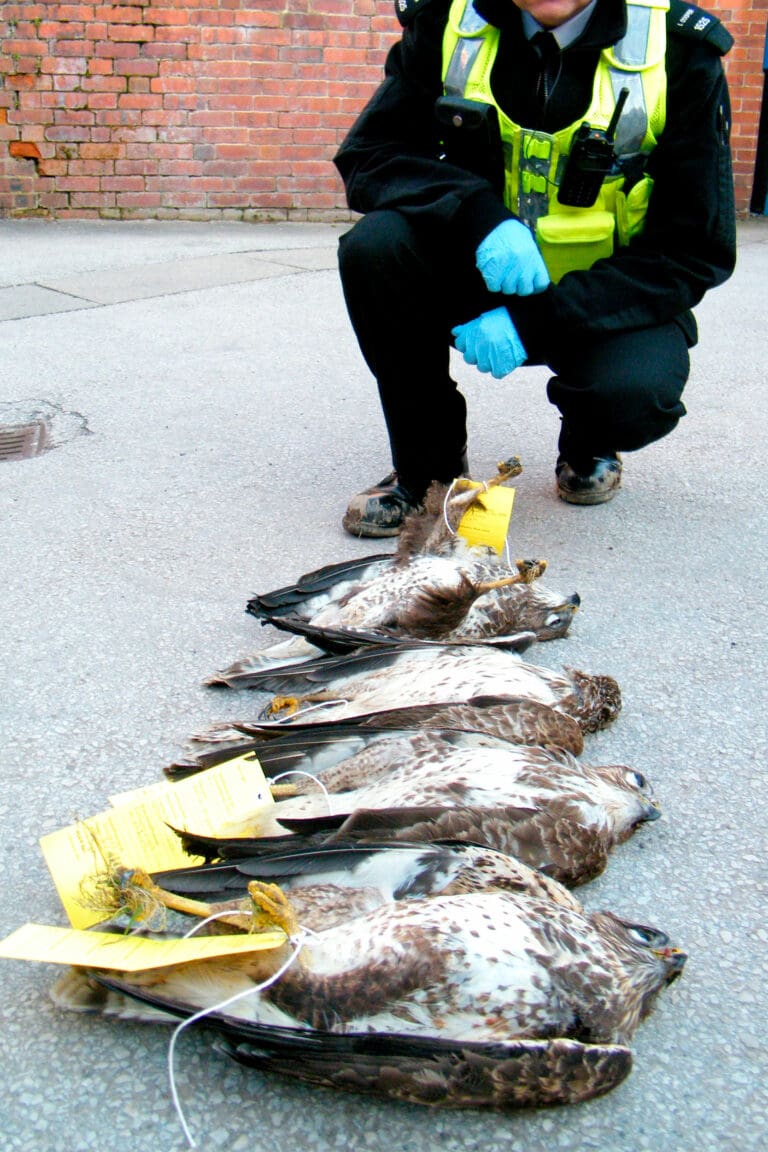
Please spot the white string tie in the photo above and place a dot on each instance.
(298, 943)
(214, 916)
(317, 780)
(445, 507)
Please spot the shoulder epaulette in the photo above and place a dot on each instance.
(692, 21)
(406, 10)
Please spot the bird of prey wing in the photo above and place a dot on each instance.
(329, 884)
(281, 747)
(319, 749)
(513, 719)
(518, 1074)
(301, 653)
(557, 843)
(315, 590)
(346, 686)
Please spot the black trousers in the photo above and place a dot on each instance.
(405, 289)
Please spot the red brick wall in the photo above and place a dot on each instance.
(746, 20)
(214, 108)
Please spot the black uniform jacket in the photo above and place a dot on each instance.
(390, 159)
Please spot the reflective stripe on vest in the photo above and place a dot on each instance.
(534, 161)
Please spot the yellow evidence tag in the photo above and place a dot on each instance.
(50, 945)
(136, 834)
(487, 520)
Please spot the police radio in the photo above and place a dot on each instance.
(591, 159)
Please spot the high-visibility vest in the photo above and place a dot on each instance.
(571, 238)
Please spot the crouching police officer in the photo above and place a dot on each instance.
(540, 182)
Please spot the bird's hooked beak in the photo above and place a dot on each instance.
(651, 811)
(674, 958)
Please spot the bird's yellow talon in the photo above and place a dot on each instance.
(506, 469)
(284, 704)
(530, 570)
(271, 909)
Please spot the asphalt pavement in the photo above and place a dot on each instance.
(209, 416)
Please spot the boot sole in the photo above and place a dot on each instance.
(587, 497)
(370, 531)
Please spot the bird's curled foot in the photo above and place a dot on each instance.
(271, 909)
(530, 570)
(283, 705)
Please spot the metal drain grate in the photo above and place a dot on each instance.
(20, 441)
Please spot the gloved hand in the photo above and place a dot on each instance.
(491, 342)
(510, 262)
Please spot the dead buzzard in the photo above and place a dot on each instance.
(541, 805)
(435, 587)
(486, 998)
(347, 686)
(463, 598)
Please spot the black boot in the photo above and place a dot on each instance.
(592, 481)
(381, 510)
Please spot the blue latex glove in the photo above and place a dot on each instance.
(491, 342)
(510, 262)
